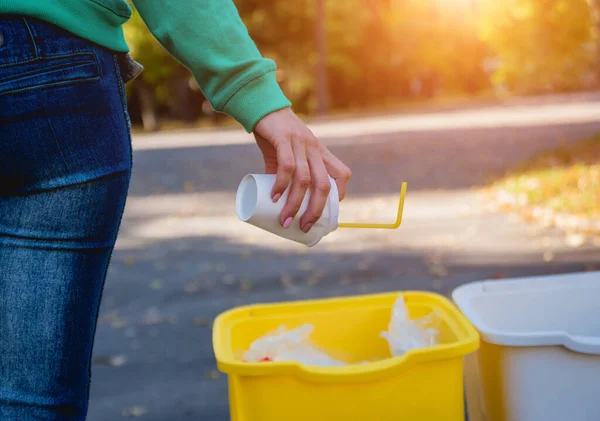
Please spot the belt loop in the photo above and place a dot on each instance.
(35, 47)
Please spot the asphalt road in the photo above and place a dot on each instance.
(183, 257)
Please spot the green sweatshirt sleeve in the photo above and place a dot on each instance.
(210, 39)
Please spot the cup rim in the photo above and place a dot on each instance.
(243, 208)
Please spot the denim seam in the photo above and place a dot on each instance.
(65, 66)
(35, 47)
(64, 83)
(128, 128)
(49, 85)
(50, 56)
(117, 68)
(62, 154)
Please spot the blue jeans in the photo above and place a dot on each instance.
(65, 164)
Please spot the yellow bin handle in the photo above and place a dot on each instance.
(381, 226)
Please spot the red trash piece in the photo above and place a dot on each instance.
(265, 359)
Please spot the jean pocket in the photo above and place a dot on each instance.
(48, 72)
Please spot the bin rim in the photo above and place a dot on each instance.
(467, 342)
(577, 343)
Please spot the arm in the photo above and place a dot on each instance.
(209, 38)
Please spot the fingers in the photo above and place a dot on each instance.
(286, 166)
(320, 186)
(300, 182)
(337, 170)
(269, 155)
(300, 161)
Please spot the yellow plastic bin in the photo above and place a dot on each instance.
(425, 384)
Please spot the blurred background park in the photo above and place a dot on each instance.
(359, 55)
(488, 109)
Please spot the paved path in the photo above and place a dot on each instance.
(182, 256)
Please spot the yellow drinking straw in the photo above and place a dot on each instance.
(381, 226)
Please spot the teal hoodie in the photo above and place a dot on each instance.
(206, 36)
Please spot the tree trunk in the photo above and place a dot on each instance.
(321, 68)
(147, 108)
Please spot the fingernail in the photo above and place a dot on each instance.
(287, 222)
(276, 197)
(307, 227)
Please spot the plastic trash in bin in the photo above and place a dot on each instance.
(289, 345)
(405, 334)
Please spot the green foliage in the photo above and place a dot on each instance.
(159, 66)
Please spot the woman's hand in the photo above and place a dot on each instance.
(293, 153)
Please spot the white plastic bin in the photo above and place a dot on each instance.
(540, 348)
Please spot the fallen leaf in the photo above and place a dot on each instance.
(433, 259)
(229, 279)
(438, 271)
(114, 361)
(344, 280)
(117, 360)
(192, 287)
(205, 267)
(159, 265)
(548, 256)
(156, 284)
(590, 267)
(498, 275)
(213, 375)
(286, 280)
(188, 187)
(134, 412)
(152, 316)
(546, 242)
(305, 266)
(130, 332)
(245, 254)
(129, 261)
(116, 321)
(245, 286)
(363, 265)
(312, 281)
(575, 240)
(201, 322)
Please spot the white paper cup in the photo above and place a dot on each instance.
(255, 206)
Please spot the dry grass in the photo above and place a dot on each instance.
(563, 180)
